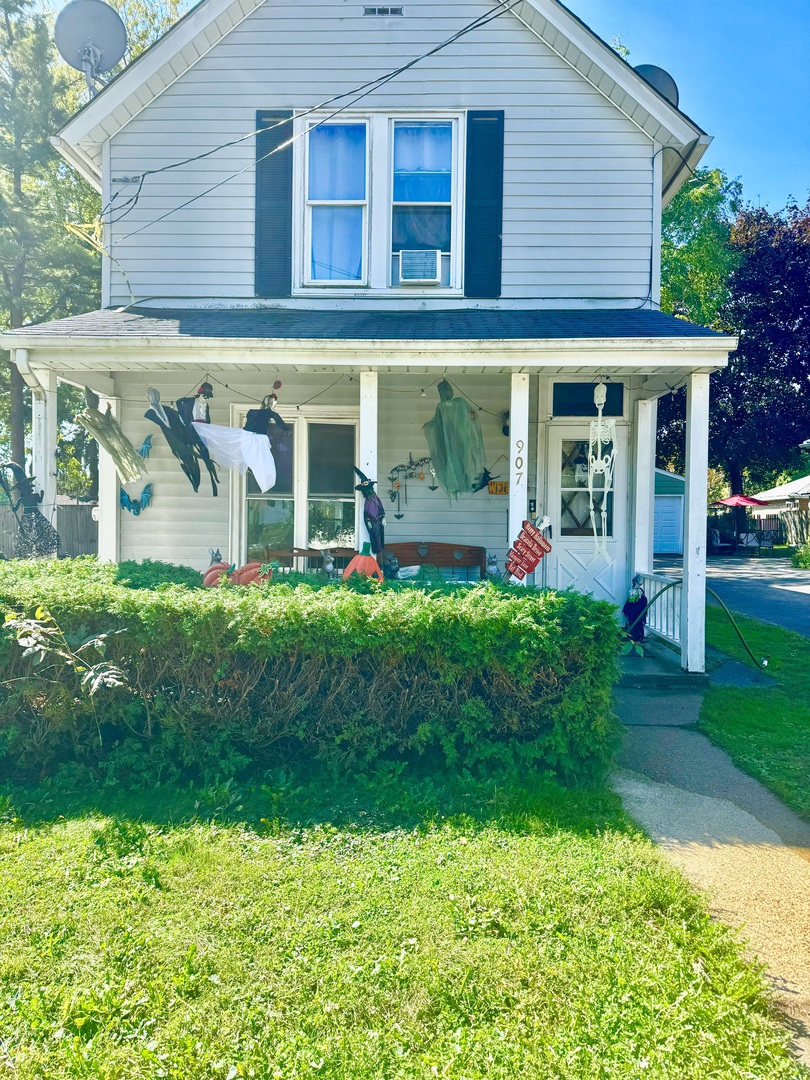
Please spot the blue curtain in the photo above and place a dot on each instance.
(337, 162)
(337, 243)
(423, 162)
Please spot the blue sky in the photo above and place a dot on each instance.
(743, 70)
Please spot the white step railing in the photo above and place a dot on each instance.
(664, 616)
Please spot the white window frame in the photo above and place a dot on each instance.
(311, 414)
(378, 218)
(308, 280)
(456, 209)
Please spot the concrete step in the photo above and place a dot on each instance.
(659, 669)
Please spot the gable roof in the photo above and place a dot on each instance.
(81, 139)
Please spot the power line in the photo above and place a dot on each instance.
(361, 92)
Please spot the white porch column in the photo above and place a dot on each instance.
(367, 450)
(646, 416)
(109, 498)
(518, 454)
(693, 597)
(43, 431)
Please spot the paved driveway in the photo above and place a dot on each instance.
(764, 587)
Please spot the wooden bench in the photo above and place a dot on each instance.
(446, 556)
(288, 557)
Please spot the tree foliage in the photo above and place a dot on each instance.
(760, 407)
(45, 271)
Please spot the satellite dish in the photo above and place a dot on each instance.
(659, 79)
(91, 37)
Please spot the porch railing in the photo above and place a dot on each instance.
(663, 617)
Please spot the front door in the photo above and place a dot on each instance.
(579, 560)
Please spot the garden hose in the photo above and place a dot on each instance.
(761, 663)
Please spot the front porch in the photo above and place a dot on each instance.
(363, 402)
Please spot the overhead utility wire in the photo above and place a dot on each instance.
(367, 88)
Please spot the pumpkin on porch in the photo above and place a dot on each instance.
(364, 563)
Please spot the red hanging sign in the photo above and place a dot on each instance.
(528, 549)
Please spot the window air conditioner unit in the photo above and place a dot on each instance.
(420, 267)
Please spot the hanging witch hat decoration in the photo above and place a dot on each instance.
(373, 511)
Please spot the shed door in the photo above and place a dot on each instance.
(668, 525)
(574, 562)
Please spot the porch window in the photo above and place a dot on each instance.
(337, 202)
(575, 513)
(271, 515)
(312, 505)
(422, 205)
(331, 499)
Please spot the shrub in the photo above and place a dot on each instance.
(801, 556)
(465, 678)
(152, 572)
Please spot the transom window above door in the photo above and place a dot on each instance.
(381, 204)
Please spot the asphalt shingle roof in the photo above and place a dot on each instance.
(363, 325)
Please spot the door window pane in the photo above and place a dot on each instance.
(337, 163)
(337, 243)
(331, 460)
(576, 399)
(575, 503)
(423, 162)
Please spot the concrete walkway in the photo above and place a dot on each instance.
(734, 840)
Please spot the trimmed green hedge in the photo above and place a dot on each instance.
(462, 677)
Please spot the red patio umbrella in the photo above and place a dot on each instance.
(739, 500)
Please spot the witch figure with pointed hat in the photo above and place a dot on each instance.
(373, 512)
(36, 537)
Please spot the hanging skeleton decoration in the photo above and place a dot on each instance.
(601, 461)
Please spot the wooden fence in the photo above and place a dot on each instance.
(74, 524)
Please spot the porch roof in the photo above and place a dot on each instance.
(262, 324)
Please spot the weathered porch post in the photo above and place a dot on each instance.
(693, 596)
(644, 501)
(109, 497)
(367, 451)
(518, 454)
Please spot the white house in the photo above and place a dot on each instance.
(278, 209)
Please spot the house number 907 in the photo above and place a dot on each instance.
(520, 446)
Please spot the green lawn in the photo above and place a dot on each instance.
(766, 732)
(216, 933)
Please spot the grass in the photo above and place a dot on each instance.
(360, 932)
(765, 731)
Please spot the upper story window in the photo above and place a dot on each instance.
(381, 206)
(422, 203)
(337, 184)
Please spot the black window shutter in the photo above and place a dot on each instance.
(483, 216)
(273, 204)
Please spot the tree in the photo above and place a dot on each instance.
(760, 404)
(697, 257)
(45, 271)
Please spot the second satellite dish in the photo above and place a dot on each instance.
(91, 37)
(661, 80)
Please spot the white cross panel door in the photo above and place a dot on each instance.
(577, 561)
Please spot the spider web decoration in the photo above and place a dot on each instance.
(601, 465)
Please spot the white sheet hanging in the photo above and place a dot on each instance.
(235, 448)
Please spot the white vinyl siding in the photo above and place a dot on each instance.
(578, 178)
(180, 525)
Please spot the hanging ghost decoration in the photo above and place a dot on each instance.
(455, 442)
(109, 434)
(601, 462)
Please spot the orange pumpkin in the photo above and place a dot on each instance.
(214, 573)
(364, 564)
